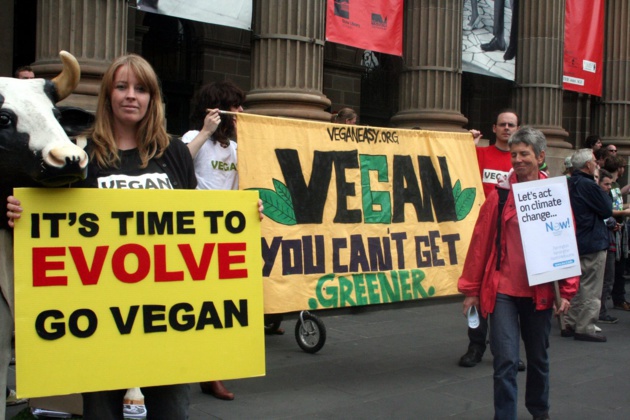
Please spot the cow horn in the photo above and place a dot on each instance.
(69, 77)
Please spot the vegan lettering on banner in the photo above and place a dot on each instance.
(375, 25)
(358, 215)
(136, 287)
(584, 46)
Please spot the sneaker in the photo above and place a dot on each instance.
(12, 399)
(625, 306)
(134, 411)
(471, 358)
(608, 319)
(597, 329)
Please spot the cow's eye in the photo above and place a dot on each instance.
(5, 120)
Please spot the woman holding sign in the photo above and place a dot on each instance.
(494, 280)
(128, 145)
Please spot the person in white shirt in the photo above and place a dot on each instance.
(213, 148)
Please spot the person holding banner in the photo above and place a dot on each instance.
(213, 148)
(127, 145)
(212, 141)
(494, 280)
(344, 116)
(494, 163)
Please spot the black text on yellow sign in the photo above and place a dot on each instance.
(49, 269)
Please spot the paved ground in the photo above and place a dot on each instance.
(400, 362)
(473, 58)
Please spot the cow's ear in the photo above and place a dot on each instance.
(75, 120)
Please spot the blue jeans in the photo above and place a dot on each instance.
(513, 315)
(168, 402)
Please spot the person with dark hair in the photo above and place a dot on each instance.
(593, 142)
(605, 183)
(601, 155)
(494, 280)
(212, 144)
(24, 72)
(344, 116)
(616, 166)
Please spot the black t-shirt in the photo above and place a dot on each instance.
(173, 170)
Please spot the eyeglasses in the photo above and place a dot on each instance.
(612, 150)
(511, 125)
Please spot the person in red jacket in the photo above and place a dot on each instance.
(502, 292)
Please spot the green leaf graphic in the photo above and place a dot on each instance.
(457, 190)
(283, 192)
(464, 203)
(276, 208)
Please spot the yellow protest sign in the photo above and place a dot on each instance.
(358, 215)
(125, 288)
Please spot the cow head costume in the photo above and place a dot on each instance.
(33, 142)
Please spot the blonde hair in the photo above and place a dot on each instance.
(151, 134)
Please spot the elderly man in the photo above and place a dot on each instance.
(591, 206)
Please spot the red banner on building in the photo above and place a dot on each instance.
(584, 46)
(368, 24)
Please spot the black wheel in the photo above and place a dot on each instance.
(272, 324)
(310, 332)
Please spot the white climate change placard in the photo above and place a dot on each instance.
(547, 229)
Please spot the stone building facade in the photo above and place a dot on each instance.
(288, 69)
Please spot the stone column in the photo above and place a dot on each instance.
(95, 32)
(288, 60)
(539, 63)
(614, 110)
(430, 83)
(6, 34)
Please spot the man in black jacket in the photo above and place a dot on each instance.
(591, 205)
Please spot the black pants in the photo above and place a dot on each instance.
(477, 336)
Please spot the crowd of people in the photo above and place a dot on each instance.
(128, 139)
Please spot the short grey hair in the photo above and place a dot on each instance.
(531, 137)
(580, 158)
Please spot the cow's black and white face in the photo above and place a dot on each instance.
(32, 142)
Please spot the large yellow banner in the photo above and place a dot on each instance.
(126, 288)
(358, 215)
